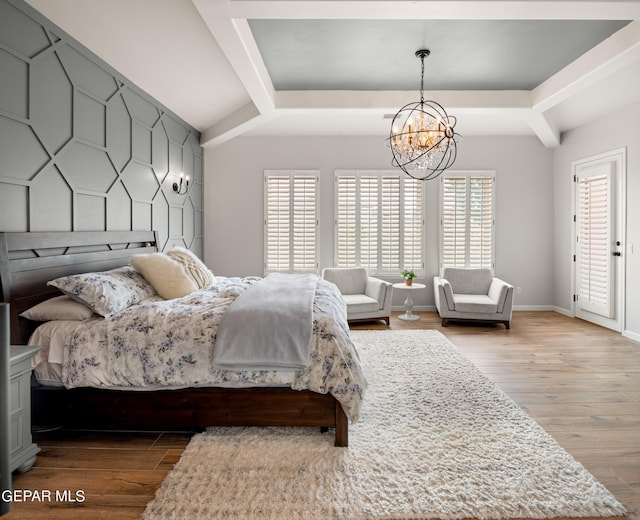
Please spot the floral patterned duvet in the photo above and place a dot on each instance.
(170, 343)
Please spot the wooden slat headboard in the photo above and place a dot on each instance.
(29, 260)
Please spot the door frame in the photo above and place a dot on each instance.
(619, 158)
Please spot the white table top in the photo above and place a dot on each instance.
(414, 285)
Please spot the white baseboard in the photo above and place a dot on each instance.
(416, 308)
(432, 308)
(631, 335)
(566, 312)
(534, 308)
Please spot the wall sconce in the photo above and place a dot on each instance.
(178, 187)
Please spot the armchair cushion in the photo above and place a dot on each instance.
(349, 281)
(469, 281)
(360, 303)
(475, 303)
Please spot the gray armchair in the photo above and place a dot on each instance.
(367, 298)
(472, 294)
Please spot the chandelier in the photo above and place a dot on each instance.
(422, 138)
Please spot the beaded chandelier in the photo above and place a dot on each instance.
(422, 137)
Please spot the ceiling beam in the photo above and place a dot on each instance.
(547, 132)
(619, 50)
(390, 101)
(436, 10)
(246, 118)
(234, 37)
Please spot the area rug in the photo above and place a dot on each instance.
(436, 439)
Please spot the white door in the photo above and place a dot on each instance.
(598, 239)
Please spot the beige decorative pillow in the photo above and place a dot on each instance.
(58, 308)
(169, 278)
(198, 271)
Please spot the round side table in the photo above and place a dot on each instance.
(408, 303)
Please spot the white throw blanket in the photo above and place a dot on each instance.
(269, 326)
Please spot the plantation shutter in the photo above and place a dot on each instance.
(413, 224)
(454, 222)
(291, 221)
(594, 226)
(467, 220)
(390, 207)
(369, 229)
(379, 223)
(346, 246)
(481, 222)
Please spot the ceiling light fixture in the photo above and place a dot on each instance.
(423, 139)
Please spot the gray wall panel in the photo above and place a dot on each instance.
(51, 103)
(81, 148)
(15, 79)
(13, 201)
(51, 202)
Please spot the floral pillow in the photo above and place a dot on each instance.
(107, 292)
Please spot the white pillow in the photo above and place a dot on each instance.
(195, 267)
(58, 308)
(168, 277)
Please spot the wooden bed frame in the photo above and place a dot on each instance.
(29, 260)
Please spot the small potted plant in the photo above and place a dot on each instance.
(408, 276)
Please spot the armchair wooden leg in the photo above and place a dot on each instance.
(445, 322)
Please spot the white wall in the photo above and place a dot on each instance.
(618, 130)
(233, 201)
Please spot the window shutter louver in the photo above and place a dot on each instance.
(467, 221)
(291, 222)
(389, 224)
(369, 222)
(413, 224)
(346, 221)
(379, 223)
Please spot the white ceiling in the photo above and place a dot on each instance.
(331, 67)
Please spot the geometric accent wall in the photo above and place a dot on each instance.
(82, 148)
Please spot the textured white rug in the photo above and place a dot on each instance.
(436, 439)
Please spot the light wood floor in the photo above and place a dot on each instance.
(579, 381)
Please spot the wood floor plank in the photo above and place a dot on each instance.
(580, 382)
(593, 422)
(94, 482)
(98, 458)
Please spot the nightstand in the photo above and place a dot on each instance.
(23, 450)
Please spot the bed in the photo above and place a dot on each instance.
(28, 261)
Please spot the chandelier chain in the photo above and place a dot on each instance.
(422, 80)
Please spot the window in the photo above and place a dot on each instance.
(291, 221)
(467, 224)
(378, 221)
